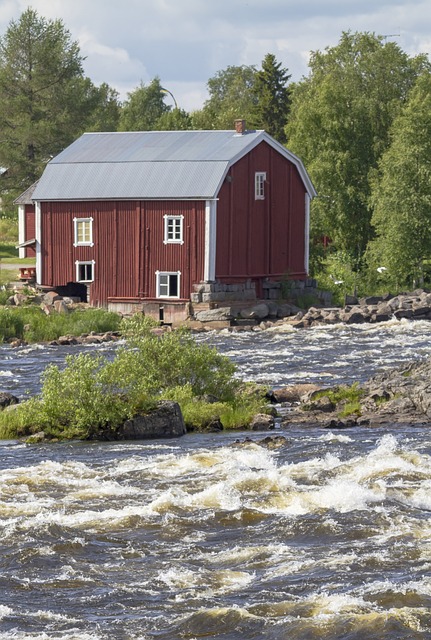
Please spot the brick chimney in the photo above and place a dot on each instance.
(240, 127)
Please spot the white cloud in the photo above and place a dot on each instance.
(185, 42)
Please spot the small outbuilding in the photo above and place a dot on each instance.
(161, 220)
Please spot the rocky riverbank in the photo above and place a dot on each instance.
(399, 396)
(415, 305)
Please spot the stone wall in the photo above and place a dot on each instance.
(218, 292)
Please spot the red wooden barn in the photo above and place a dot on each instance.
(150, 220)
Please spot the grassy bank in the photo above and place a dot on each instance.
(91, 396)
(32, 325)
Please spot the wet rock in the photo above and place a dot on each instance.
(269, 442)
(336, 423)
(35, 438)
(322, 403)
(165, 421)
(213, 426)
(292, 393)
(17, 342)
(262, 422)
(7, 399)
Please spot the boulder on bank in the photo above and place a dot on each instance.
(7, 399)
(262, 422)
(166, 421)
(215, 315)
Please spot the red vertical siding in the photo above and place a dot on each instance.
(187, 258)
(261, 238)
(128, 246)
(30, 228)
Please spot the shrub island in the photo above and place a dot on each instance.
(92, 396)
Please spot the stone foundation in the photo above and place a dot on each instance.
(213, 293)
(208, 292)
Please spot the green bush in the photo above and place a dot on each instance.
(175, 359)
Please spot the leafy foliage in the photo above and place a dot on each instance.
(339, 126)
(230, 97)
(402, 194)
(143, 108)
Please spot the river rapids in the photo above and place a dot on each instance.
(204, 537)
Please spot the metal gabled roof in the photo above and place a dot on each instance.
(156, 146)
(150, 165)
(130, 180)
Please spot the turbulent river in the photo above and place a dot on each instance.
(328, 537)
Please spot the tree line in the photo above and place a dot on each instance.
(360, 121)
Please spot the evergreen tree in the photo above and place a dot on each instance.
(44, 98)
(271, 98)
(402, 194)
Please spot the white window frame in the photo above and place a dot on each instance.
(160, 275)
(80, 263)
(76, 223)
(172, 236)
(259, 185)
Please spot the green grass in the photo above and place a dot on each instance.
(8, 252)
(31, 324)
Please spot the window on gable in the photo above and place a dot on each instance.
(83, 232)
(259, 185)
(173, 229)
(168, 284)
(85, 271)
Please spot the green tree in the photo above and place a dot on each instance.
(175, 120)
(105, 115)
(339, 125)
(44, 98)
(271, 98)
(143, 108)
(230, 97)
(402, 194)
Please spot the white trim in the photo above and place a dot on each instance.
(259, 185)
(21, 229)
(167, 273)
(173, 216)
(307, 233)
(78, 263)
(76, 243)
(210, 240)
(38, 238)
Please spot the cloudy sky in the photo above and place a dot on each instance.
(185, 42)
